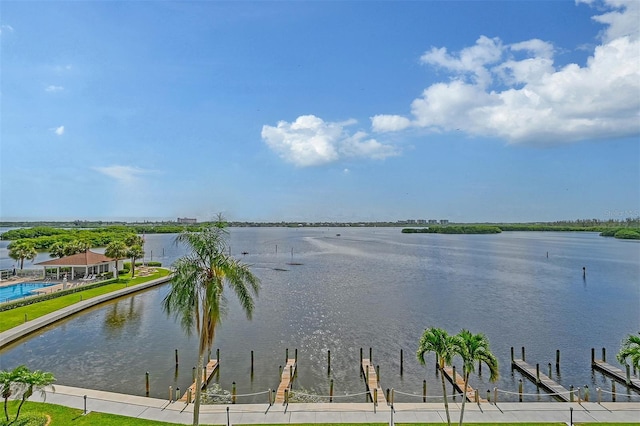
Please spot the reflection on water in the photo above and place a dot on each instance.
(368, 287)
(122, 313)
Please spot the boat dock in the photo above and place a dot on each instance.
(210, 369)
(540, 379)
(286, 380)
(458, 383)
(372, 382)
(614, 372)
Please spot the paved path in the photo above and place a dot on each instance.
(178, 412)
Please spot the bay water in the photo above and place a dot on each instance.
(342, 289)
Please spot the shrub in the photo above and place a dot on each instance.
(627, 234)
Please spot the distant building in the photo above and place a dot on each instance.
(410, 221)
(187, 220)
(433, 221)
(421, 221)
(444, 222)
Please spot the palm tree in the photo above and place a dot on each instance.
(21, 250)
(475, 348)
(134, 252)
(445, 347)
(75, 247)
(116, 250)
(33, 380)
(630, 349)
(9, 383)
(56, 250)
(197, 286)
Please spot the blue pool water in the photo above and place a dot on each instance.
(16, 291)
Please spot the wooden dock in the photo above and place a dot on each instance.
(458, 384)
(211, 368)
(372, 382)
(616, 373)
(286, 380)
(540, 379)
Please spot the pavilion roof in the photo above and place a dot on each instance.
(86, 258)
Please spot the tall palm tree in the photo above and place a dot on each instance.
(197, 289)
(475, 348)
(116, 250)
(630, 349)
(134, 252)
(33, 380)
(445, 346)
(21, 250)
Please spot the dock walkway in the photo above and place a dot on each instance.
(211, 368)
(532, 373)
(458, 384)
(286, 380)
(372, 382)
(616, 373)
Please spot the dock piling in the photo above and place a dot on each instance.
(328, 362)
(520, 390)
(147, 382)
(424, 391)
(331, 391)
(613, 390)
(176, 357)
(252, 363)
(233, 393)
(401, 362)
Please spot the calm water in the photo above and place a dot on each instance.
(368, 287)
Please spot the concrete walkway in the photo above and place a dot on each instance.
(179, 412)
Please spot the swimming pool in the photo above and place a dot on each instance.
(16, 291)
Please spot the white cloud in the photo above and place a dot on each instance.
(58, 130)
(389, 123)
(6, 29)
(51, 88)
(311, 141)
(123, 174)
(494, 91)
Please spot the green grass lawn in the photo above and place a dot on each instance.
(33, 413)
(15, 317)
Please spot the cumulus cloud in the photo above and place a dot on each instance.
(58, 130)
(123, 174)
(311, 141)
(514, 91)
(52, 88)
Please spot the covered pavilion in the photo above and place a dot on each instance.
(81, 264)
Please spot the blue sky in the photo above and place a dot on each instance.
(320, 111)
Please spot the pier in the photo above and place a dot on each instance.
(372, 381)
(458, 384)
(533, 373)
(286, 380)
(614, 372)
(210, 369)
